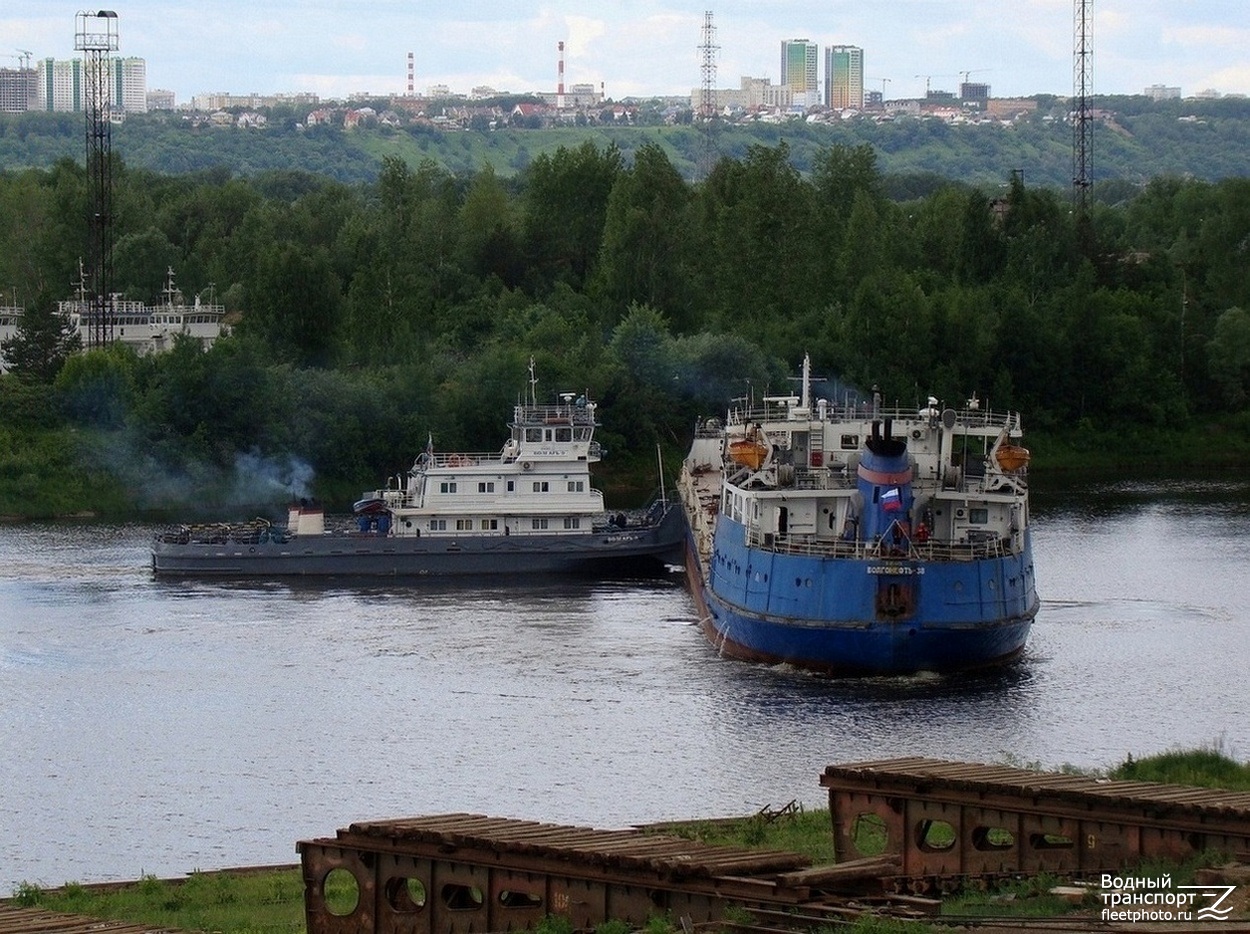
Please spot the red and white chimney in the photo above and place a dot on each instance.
(411, 73)
(560, 79)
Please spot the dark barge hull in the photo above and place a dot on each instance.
(372, 555)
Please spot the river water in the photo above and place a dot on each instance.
(155, 727)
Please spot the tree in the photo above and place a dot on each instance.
(1229, 356)
(566, 202)
(44, 340)
(141, 262)
(293, 305)
(645, 237)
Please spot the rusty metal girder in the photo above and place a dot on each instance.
(947, 820)
(465, 873)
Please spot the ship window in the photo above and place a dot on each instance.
(447, 486)
(572, 522)
(490, 525)
(582, 434)
(978, 516)
(547, 434)
(464, 525)
(564, 434)
(850, 442)
(540, 486)
(511, 486)
(577, 486)
(438, 525)
(486, 486)
(533, 434)
(539, 524)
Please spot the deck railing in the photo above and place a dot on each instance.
(990, 546)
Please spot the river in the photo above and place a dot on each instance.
(155, 727)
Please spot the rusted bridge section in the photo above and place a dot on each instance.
(469, 873)
(15, 919)
(951, 821)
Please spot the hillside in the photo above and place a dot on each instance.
(1135, 140)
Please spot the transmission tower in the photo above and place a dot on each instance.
(1082, 106)
(95, 35)
(707, 103)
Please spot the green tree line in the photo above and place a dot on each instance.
(368, 317)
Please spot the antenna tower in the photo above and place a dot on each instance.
(95, 35)
(1082, 106)
(707, 102)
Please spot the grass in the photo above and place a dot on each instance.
(1209, 766)
(793, 829)
(249, 902)
(272, 901)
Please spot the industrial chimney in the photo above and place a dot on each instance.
(560, 79)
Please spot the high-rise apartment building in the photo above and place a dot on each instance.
(800, 61)
(62, 85)
(130, 84)
(19, 90)
(844, 77)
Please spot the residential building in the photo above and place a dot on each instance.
(19, 90)
(130, 84)
(160, 99)
(61, 85)
(224, 100)
(974, 92)
(1159, 92)
(753, 94)
(799, 71)
(844, 77)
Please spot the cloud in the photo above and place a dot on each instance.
(1208, 37)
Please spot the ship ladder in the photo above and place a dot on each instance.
(816, 447)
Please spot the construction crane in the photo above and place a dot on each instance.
(25, 58)
(928, 78)
(973, 71)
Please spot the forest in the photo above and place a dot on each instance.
(368, 317)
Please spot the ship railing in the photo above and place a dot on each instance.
(864, 413)
(931, 550)
(458, 459)
(564, 414)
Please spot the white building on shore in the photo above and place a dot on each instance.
(146, 328)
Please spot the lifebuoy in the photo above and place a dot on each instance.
(526, 465)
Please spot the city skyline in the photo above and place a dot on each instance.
(649, 47)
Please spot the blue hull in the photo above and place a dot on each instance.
(849, 616)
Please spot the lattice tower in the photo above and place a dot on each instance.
(707, 103)
(95, 35)
(1082, 105)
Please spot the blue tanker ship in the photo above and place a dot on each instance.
(859, 540)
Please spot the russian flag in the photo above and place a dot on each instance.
(891, 501)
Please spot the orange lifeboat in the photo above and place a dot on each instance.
(1012, 457)
(748, 453)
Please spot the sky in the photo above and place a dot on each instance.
(335, 48)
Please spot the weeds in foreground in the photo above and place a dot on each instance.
(233, 903)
